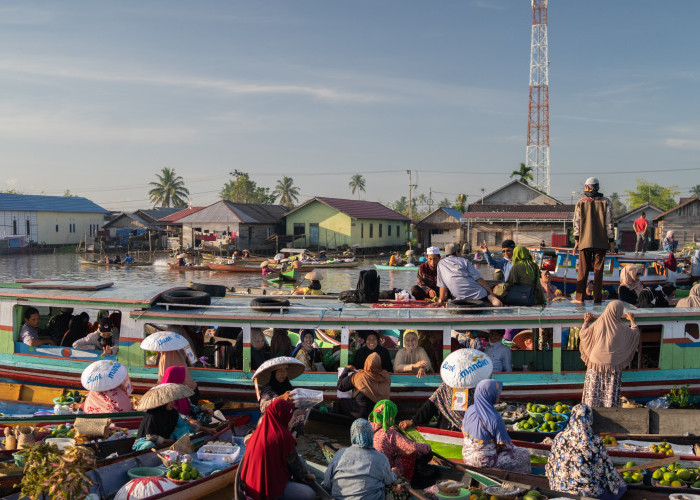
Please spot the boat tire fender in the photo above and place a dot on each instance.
(189, 297)
(269, 304)
(213, 290)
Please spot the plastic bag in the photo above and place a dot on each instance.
(306, 398)
(658, 403)
(403, 296)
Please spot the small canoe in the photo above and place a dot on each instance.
(175, 267)
(232, 268)
(382, 267)
(289, 276)
(86, 262)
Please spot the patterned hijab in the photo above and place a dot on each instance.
(384, 413)
(628, 278)
(361, 434)
(579, 463)
(608, 344)
(442, 399)
(481, 420)
(693, 298)
(522, 255)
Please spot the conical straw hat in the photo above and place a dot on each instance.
(313, 276)
(163, 394)
(264, 372)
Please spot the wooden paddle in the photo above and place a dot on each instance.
(654, 463)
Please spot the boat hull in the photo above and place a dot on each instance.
(382, 267)
(232, 268)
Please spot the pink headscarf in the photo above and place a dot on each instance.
(176, 375)
(112, 401)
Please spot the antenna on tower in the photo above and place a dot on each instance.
(537, 150)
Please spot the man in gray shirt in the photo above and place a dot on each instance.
(461, 279)
(499, 353)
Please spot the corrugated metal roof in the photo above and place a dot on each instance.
(520, 208)
(453, 212)
(41, 203)
(179, 215)
(519, 215)
(245, 213)
(158, 212)
(358, 209)
(680, 205)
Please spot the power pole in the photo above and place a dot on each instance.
(410, 207)
(430, 199)
(537, 146)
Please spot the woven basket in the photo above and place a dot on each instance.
(92, 427)
(25, 437)
(183, 445)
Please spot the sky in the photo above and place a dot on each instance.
(98, 97)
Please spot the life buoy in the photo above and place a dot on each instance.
(189, 297)
(464, 306)
(269, 305)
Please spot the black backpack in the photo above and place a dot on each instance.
(368, 287)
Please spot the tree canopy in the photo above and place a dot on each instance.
(245, 190)
(524, 174)
(662, 197)
(357, 183)
(169, 191)
(460, 203)
(286, 192)
(695, 191)
(618, 208)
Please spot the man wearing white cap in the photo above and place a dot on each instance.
(427, 276)
(594, 235)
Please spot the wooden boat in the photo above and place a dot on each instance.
(232, 268)
(553, 374)
(289, 276)
(384, 267)
(563, 266)
(175, 267)
(330, 264)
(316, 469)
(86, 262)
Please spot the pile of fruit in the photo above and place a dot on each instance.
(609, 441)
(632, 476)
(560, 408)
(535, 408)
(183, 472)
(676, 476)
(663, 447)
(77, 397)
(551, 417)
(527, 425)
(550, 426)
(62, 431)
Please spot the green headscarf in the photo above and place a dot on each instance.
(384, 413)
(522, 254)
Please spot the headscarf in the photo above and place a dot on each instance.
(695, 264)
(300, 345)
(279, 387)
(406, 357)
(628, 278)
(176, 375)
(442, 399)
(372, 380)
(669, 234)
(167, 359)
(361, 434)
(112, 401)
(693, 298)
(671, 263)
(481, 421)
(579, 463)
(384, 413)
(280, 345)
(158, 421)
(522, 255)
(608, 344)
(264, 470)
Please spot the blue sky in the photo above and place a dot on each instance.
(97, 97)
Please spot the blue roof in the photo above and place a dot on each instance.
(453, 212)
(39, 203)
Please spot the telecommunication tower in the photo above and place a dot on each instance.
(537, 150)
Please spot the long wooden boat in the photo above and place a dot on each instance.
(384, 267)
(86, 262)
(563, 267)
(330, 264)
(175, 267)
(232, 268)
(557, 373)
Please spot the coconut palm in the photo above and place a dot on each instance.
(461, 203)
(287, 193)
(170, 189)
(695, 191)
(357, 183)
(524, 174)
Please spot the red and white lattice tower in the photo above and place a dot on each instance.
(537, 151)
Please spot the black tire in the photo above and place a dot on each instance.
(465, 306)
(269, 305)
(213, 290)
(189, 297)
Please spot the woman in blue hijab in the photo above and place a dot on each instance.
(486, 440)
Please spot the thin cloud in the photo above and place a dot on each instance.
(676, 143)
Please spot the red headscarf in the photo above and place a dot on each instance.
(264, 470)
(671, 263)
(176, 375)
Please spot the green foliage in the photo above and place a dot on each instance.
(524, 174)
(244, 190)
(695, 191)
(618, 208)
(662, 197)
(287, 193)
(400, 206)
(679, 397)
(357, 183)
(48, 473)
(169, 191)
(460, 203)
(330, 362)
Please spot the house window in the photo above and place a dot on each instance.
(14, 227)
(498, 238)
(362, 230)
(299, 228)
(371, 230)
(29, 228)
(380, 230)
(480, 237)
(398, 231)
(692, 330)
(436, 231)
(56, 227)
(388, 229)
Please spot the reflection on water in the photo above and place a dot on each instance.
(68, 267)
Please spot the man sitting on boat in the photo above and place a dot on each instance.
(506, 263)
(395, 259)
(427, 287)
(499, 352)
(459, 277)
(100, 340)
(29, 333)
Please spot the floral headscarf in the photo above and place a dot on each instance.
(361, 433)
(579, 463)
(522, 255)
(442, 399)
(384, 413)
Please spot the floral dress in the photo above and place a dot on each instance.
(400, 450)
(505, 456)
(602, 388)
(579, 463)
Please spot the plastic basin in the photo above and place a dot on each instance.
(137, 472)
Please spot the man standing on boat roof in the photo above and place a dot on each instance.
(459, 277)
(506, 263)
(594, 235)
(640, 226)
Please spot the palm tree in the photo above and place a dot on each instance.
(170, 189)
(461, 203)
(695, 191)
(287, 193)
(357, 183)
(525, 174)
